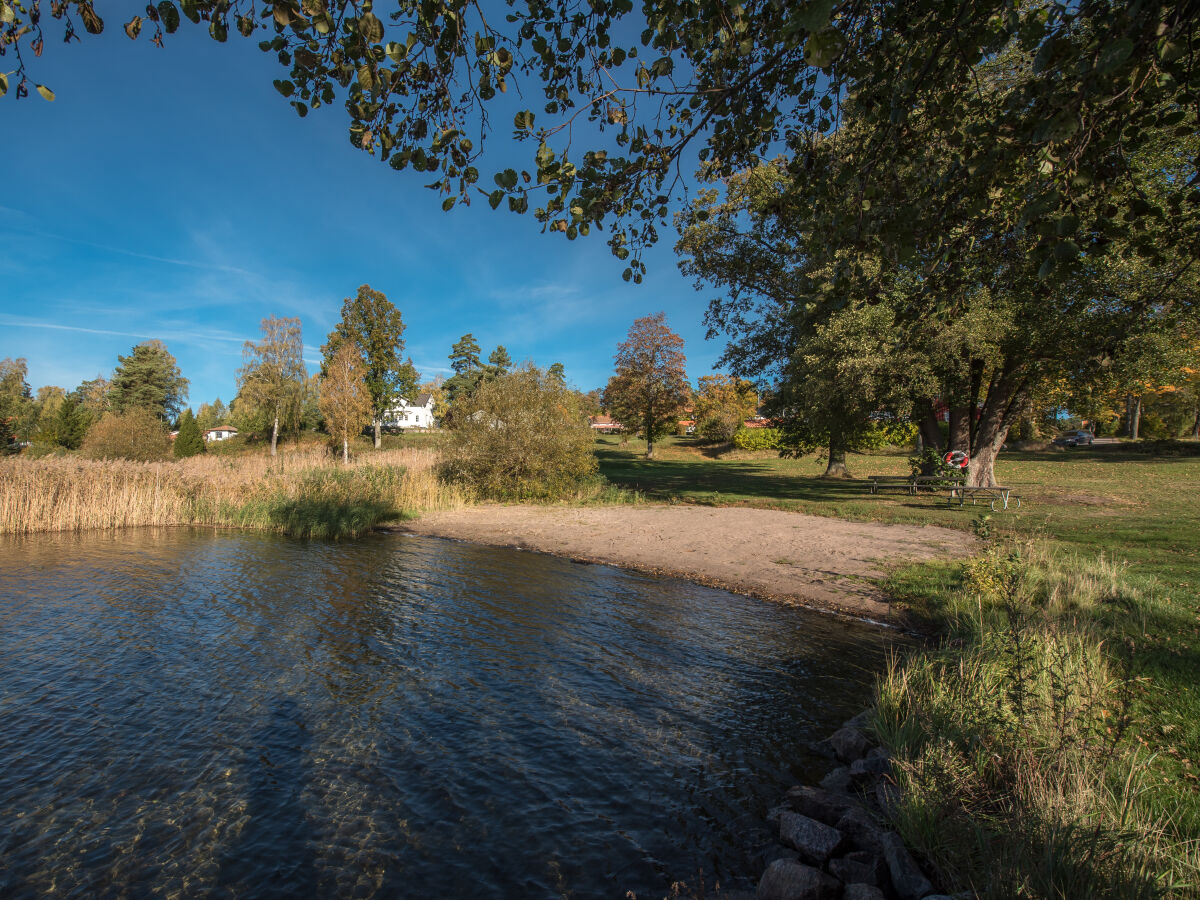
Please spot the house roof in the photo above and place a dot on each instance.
(229, 428)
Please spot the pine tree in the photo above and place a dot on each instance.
(189, 441)
(148, 378)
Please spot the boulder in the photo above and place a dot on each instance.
(887, 795)
(788, 880)
(837, 780)
(862, 829)
(860, 721)
(859, 867)
(862, 892)
(813, 840)
(907, 878)
(870, 766)
(845, 744)
(817, 803)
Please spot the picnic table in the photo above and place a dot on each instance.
(955, 486)
(911, 484)
(993, 495)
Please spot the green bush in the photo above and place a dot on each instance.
(758, 438)
(887, 434)
(137, 434)
(520, 436)
(189, 441)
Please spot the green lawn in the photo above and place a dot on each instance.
(1138, 510)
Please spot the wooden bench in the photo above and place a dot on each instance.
(911, 484)
(992, 494)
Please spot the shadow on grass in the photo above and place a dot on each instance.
(661, 479)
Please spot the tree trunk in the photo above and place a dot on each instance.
(274, 434)
(1001, 409)
(1196, 424)
(378, 423)
(1135, 423)
(960, 429)
(927, 423)
(346, 451)
(837, 459)
(649, 426)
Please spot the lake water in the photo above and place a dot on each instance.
(199, 713)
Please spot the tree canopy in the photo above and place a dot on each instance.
(272, 378)
(632, 95)
(650, 385)
(373, 324)
(148, 378)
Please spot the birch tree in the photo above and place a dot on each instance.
(345, 398)
(273, 374)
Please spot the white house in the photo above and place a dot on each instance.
(220, 433)
(405, 415)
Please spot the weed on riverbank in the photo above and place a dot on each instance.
(1021, 743)
(304, 492)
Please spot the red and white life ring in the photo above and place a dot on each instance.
(957, 459)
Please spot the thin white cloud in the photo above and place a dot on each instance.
(121, 251)
(170, 334)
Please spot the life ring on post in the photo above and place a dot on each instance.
(957, 459)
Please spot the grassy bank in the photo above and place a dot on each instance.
(1048, 737)
(302, 491)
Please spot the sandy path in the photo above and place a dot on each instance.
(812, 560)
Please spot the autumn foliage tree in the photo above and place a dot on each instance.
(650, 385)
(345, 398)
(721, 404)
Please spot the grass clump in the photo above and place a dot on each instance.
(1016, 742)
(303, 492)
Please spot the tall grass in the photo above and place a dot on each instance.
(1014, 742)
(303, 492)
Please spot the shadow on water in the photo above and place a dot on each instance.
(273, 856)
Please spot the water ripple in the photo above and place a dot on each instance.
(198, 713)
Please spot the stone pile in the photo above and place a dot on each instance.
(833, 841)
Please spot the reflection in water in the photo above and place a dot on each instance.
(183, 712)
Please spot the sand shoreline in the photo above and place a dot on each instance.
(814, 561)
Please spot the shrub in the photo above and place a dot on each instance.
(520, 436)
(758, 439)
(189, 441)
(887, 434)
(136, 434)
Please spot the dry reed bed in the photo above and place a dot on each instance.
(74, 494)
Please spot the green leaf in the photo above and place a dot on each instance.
(495, 197)
(371, 28)
(448, 203)
(814, 15)
(191, 10)
(523, 121)
(1114, 54)
(169, 15)
(396, 51)
(365, 77)
(46, 93)
(284, 87)
(218, 30)
(824, 47)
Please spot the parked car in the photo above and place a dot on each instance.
(1075, 439)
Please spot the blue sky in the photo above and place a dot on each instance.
(173, 194)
